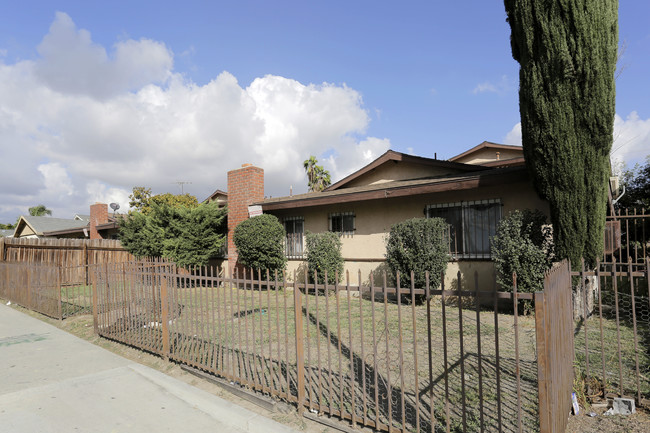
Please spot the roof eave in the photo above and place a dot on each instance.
(391, 155)
(479, 180)
(482, 146)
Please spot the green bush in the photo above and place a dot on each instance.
(260, 243)
(139, 236)
(418, 245)
(324, 255)
(523, 244)
(188, 236)
(195, 235)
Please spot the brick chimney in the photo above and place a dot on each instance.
(98, 216)
(245, 187)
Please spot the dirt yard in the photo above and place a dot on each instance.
(636, 423)
(81, 326)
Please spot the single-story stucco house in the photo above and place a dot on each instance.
(471, 191)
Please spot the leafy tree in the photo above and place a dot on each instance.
(176, 200)
(141, 199)
(523, 244)
(7, 226)
(188, 236)
(324, 255)
(260, 243)
(39, 210)
(567, 56)
(637, 186)
(418, 245)
(317, 177)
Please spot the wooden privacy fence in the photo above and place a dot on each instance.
(54, 290)
(613, 342)
(390, 358)
(73, 255)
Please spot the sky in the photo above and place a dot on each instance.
(99, 97)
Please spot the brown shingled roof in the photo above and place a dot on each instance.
(481, 177)
(391, 155)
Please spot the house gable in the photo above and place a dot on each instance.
(221, 197)
(395, 166)
(491, 155)
(39, 226)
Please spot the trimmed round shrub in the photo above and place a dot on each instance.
(523, 244)
(260, 243)
(418, 245)
(324, 255)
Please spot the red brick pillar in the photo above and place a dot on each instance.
(98, 215)
(245, 187)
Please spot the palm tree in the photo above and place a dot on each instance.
(310, 169)
(322, 179)
(39, 210)
(317, 177)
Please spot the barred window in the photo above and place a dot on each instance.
(295, 228)
(471, 225)
(342, 223)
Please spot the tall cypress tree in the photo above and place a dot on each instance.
(566, 50)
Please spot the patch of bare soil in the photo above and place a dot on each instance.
(638, 422)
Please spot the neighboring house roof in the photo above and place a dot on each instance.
(492, 155)
(111, 224)
(42, 226)
(430, 165)
(219, 196)
(6, 233)
(460, 181)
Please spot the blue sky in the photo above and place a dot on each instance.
(110, 95)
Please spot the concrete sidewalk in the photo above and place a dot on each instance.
(52, 381)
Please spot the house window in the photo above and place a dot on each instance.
(342, 223)
(471, 225)
(295, 228)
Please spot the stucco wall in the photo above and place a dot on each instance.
(375, 217)
(365, 250)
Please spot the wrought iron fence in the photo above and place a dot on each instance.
(613, 343)
(627, 236)
(389, 358)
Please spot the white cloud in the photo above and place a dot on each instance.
(82, 126)
(514, 136)
(56, 181)
(100, 192)
(353, 156)
(501, 87)
(71, 63)
(484, 87)
(631, 139)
